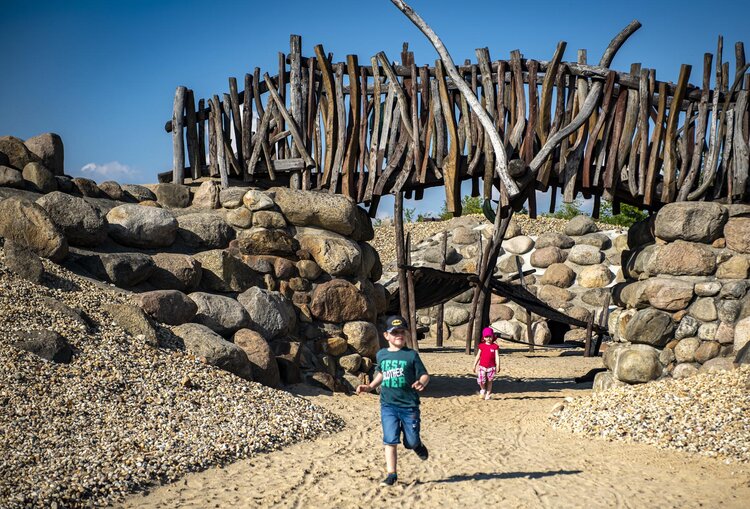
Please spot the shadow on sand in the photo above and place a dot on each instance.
(483, 476)
(446, 386)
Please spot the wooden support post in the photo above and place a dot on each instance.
(192, 136)
(296, 97)
(479, 305)
(412, 298)
(441, 307)
(219, 133)
(178, 141)
(603, 318)
(201, 139)
(589, 328)
(529, 330)
(398, 224)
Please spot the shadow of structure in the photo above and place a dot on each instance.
(483, 476)
(446, 386)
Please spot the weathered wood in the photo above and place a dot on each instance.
(247, 121)
(527, 146)
(398, 225)
(313, 91)
(488, 101)
(400, 95)
(352, 148)
(603, 116)
(412, 298)
(201, 138)
(297, 138)
(192, 136)
(437, 114)
(741, 157)
(643, 127)
(626, 138)
(611, 173)
(237, 119)
(213, 165)
(545, 171)
(220, 157)
(363, 152)
(450, 163)
(654, 159)
(373, 167)
(178, 142)
(296, 100)
(338, 159)
(441, 307)
(329, 114)
(519, 126)
(669, 185)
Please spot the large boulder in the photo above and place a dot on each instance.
(736, 267)
(668, 294)
(546, 256)
(595, 276)
(81, 222)
(558, 274)
(113, 190)
(741, 334)
(49, 148)
(18, 154)
(223, 315)
(686, 349)
(133, 320)
(691, 221)
(363, 337)
(173, 196)
(212, 349)
(518, 245)
(168, 306)
(175, 271)
(260, 355)
(583, 254)
(334, 253)
(270, 313)
(260, 241)
(87, 187)
(205, 231)
(268, 219)
(23, 261)
(455, 315)
(255, 200)
(29, 225)
(334, 212)
(580, 225)
(138, 193)
(10, 177)
(144, 227)
(38, 178)
(554, 239)
(45, 343)
(372, 267)
(339, 300)
(637, 364)
(240, 217)
(207, 195)
(682, 258)
(737, 234)
(223, 272)
(650, 327)
(231, 197)
(121, 269)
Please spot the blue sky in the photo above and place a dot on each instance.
(102, 74)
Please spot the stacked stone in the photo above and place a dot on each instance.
(276, 286)
(684, 307)
(573, 273)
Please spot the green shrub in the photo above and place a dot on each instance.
(627, 216)
(469, 205)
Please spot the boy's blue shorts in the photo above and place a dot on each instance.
(396, 420)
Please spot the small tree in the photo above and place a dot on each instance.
(567, 211)
(627, 216)
(469, 205)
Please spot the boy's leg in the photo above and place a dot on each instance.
(390, 458)
(411, 423)
(389, 418)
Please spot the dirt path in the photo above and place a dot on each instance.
(500, 451)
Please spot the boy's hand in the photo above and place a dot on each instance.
(363, 388)
(419, 386)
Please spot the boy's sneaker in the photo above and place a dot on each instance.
(422, 452)
(390, 480)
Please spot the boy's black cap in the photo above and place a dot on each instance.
(396, 322)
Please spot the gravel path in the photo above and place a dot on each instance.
(707, 414)
(121, 415)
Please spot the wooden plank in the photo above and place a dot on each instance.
(545, 108)
(545, 172)
(413, 93)
(441, 307)
(427, 122)
(626, 139)
(400, 95)
(741, 157)
(603, 116)
(574, 157)
(669, 186)
(437, 115)
(338, 159)
(296, 99)
(213, 163)
(476, 126)
(237, 119)
(519, 126)
(220, 157)
(178, 142)
(488, 101)
(313, 92)
(654, 160)
(247, 122)
(527, 146)
(611, 173)
(643, 126)
(226, 116)
(373, 167)
(201, 137)
(324, 64)
(450, 163)
(367, 106)
(349, 166)
(192, 136)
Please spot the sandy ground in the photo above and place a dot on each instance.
(501, 451)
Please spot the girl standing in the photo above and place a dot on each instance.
(487, 362)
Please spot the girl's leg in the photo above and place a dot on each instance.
(489, 389)
(481, 381)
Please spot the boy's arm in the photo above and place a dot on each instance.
(372, 385)
(420, 384)
(421, 372)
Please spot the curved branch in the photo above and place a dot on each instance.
(501, 163)
(592, 99)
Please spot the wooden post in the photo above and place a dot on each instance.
(296, 97)
(603, 318)
(178, 142)
(201, 139)
(441, 307)
(398, 224)
(219, 133)
(589, 327)
(412, 298)
(192, 136)
(234, 105)
(529, 331)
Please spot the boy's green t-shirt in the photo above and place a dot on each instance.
(400, 370)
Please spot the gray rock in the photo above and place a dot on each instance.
(508, 264)
(737, 234)
(605, 380)
(268, 219)
(240, 217)
(351, 362)
(363, 337)
(81, 223)
(29, 225)
(668, 294)
(138, 226)
(597, 240)
(554, 239)
(716, 365)
(687, 327)
(264, 366)
(214, 350)
(641, 233)
(134, 321)
(580, 225)
(207, 195)
(691, 221)
(174, 271)
(18, 155)
(454, 315)
(637, 364)
(121, 269)
(729, 310)
(221, 314)
(173, 196)
(595, 276)
(518, 245)
(733, 290)
(650, 327)
(138, 193)
(435, 255)
(255, 201)
(595, 296)
(168, 306)
(49, 148)
(684, 370)
(259, 241)
(38, 178)
(707, 288)
(23, 262)
(45, 343)
(741, 334)
(686, 348)
(87, 187)
(223, 272)
(583, 254)
(704, 309)
(736, 267)
(204, 230)
(231, 198)
(546, 256)
(334, 254)
(465, 235)
(113, 190)
(270, 313)
(371, 267)
(707, 351)
(339, 300)
(10, 177)
(682, 258)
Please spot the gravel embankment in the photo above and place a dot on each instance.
(385, 236)
(121, 415)
(708, 414)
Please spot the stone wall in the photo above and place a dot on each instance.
(279, 285)
(684, 306)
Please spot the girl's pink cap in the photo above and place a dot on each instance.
(487, 331)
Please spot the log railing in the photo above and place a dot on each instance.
(365, 130)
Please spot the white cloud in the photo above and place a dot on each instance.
(111, 169)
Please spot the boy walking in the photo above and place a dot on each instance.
(400, 373)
